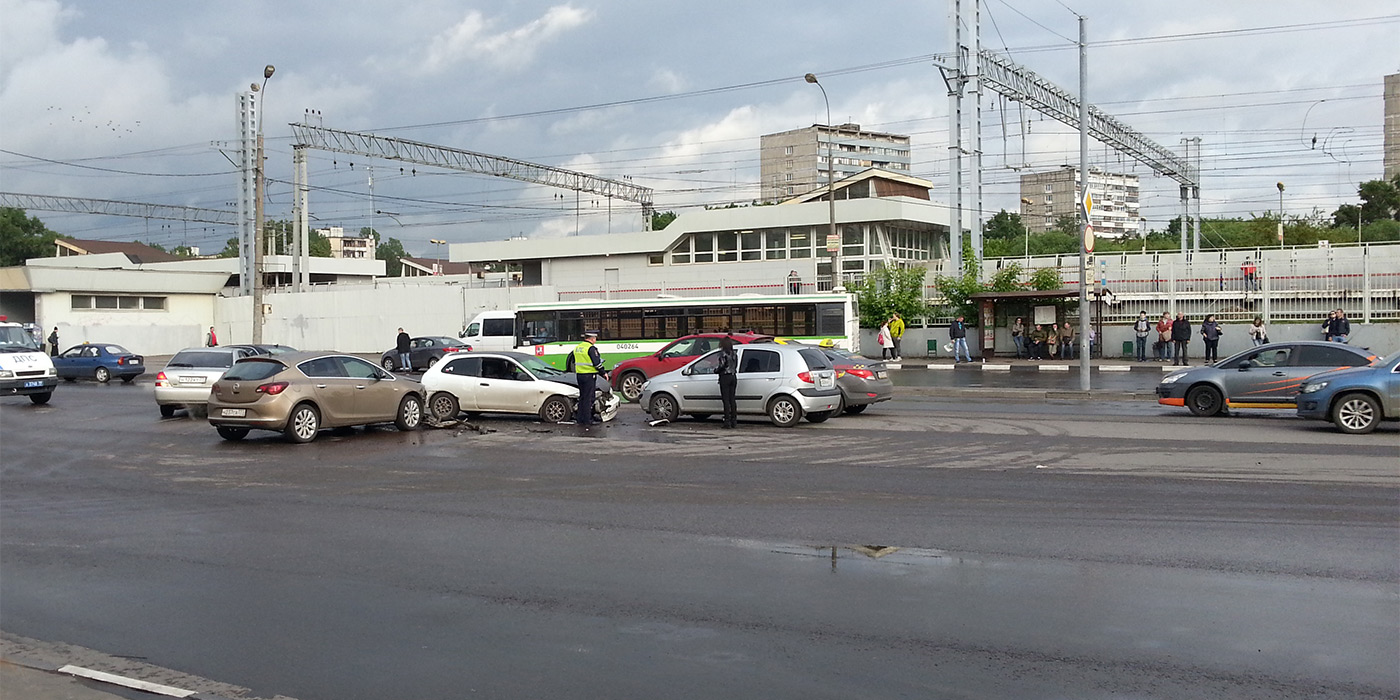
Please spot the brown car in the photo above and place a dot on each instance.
(301, 393)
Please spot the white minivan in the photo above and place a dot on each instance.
(24, 368)
(490, 330)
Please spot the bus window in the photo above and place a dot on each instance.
(831, 319)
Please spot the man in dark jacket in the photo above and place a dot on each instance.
(728, 381)
(403, 344)
(586, 364)
(1338, 328)
(1181, 338)
(957, 332)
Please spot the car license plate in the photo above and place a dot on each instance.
(234, 412)
(191, 380)
(825, 383)
(880, 374)
(28, 385)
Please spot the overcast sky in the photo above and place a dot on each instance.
(131, 101)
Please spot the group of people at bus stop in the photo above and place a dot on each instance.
(1044, 341)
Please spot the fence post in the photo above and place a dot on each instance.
(1366, 285)
(1268, 285)
(1171, 288)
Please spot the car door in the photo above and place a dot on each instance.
(420, 349)
(760, 373)
(377, 393)
(1266, 376)
(334, 392)
(699, 389)
(679, 353)
(460, 377)
(70, 362)
(505, 386)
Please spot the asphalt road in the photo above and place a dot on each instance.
(928, 548)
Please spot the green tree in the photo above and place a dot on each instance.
(390, 251)
(889, 290)
(23, 237)
(1346, 216)
(662, 219)
(958, 291)
(1046, 279)
(1379, 200)
(1003, 226)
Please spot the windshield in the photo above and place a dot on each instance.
(16, 338)
(538, 368)
(253, 369)
(202, 358)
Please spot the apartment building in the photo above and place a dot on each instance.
(1047, 196)
(351, 247)
(792, 163)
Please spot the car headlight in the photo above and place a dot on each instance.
(1171, 379)
(6, 374)
(1312, 388)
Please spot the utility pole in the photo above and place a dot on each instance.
(1084, 226)
(258, 232)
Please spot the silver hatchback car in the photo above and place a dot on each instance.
(783, 382)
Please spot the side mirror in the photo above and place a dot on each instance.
(1244, 367)
(686, 372)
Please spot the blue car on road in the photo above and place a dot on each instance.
(1355, 399)
(100, 361)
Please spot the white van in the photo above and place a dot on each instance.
(24, 368)
(490, 330)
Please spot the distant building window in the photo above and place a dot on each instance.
(85, 302)
(656, 259)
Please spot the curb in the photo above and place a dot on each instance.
(1026, 394)
(976, 366)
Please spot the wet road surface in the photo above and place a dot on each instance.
(929, 548)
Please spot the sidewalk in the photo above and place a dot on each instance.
(21, 681)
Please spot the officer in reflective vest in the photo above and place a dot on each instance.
(588, 365)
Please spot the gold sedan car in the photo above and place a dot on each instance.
(300, 393)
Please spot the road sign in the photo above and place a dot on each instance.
(833, 243)
(1088, 239)
(1086, 206)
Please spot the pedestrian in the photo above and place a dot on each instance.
(1038, 343)
(212, 339)
(886, 341)
(587, 365)
(1067, 341)
(1340, 328)
(794, 281)
(1142, 328)
(1164, 337)
(1211, 332)
(896, 333)
(1327, 325)
(1052, 341)
(1181, 338)
(1018, 337)
(728, 381)
(404, 346)
(1250, 281)
(53, 342)
(957, 332)
(1258, 335)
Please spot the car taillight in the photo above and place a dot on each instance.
(805, 377)
(862, 373)
(121, 360)
(271, 389)
(161, 379)
(452, 349)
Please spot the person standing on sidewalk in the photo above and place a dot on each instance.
(1018, 337)
(1164, 337)
(957, 332)
(1339, 328)
(1141, 329)
(886, 342)
(728, 381)
(403, 345)
(53, 342)
(1258, 334)
(1181, 338)
(896, 333)
(1210, 332)
(212, 339)
(1067, 341)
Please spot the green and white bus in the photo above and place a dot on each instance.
(634, 327)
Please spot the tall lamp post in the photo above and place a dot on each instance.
(439, 243)
(831, 236)
(1280, 215)
(259, 180)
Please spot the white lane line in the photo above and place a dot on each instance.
(941, 366)
(997, 368)
(1054, 368)
(114, 679)
(1115, 368)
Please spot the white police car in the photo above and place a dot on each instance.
(24, 368)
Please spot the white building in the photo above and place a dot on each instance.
(1045, 197)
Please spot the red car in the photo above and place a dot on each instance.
(629, 376)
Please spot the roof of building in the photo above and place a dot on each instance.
(448, 268)
(819, 192)
(136, 252)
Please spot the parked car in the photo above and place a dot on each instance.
(25, 369)
(783, 382)
(423, 352)
(508, 382)
(1267, 376)
(300, 393)
(187, 378)
(1356, 400)
(100, 361)
(862, 381)
(629, 375)
(274, 348)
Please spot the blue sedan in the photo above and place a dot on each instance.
(1356, 399)
(100, 361)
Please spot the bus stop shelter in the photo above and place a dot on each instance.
(989, 302)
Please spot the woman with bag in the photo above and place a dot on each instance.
(886, 341)
(1257, 333)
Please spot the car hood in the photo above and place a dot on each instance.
(571, 379)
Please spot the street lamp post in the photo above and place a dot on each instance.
(439, 243)
(832, 238)
(259, 180)
(1280, 214)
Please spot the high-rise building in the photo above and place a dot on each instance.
(352, 246)
(1045, 197)
(793, 162)
(1392, 126)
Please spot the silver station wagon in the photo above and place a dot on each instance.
(784, 382)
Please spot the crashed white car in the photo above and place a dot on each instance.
(508, 382)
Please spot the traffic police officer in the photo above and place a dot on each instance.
(588, 365)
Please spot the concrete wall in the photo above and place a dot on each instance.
(182, 323)
(365, 318)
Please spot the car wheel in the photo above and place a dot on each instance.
(127, 380)
(663, 407)
(700, 416)
(389, 364)
(432, 361)
(445, 406)
(1204, 400)
(303, 424)
(410, 414)
(70, 379)
(1356, 414)
(784, 412)
(631, 385)
(840, 405)
(167, 411)
(102, 374)
(232, 433)
(820, 416)
(41, 399)
(852, 410)
(555, 409)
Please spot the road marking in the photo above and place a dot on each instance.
(1114, 368)
(997, 368)
(941, 366)
(1054, 368)
(114, 679)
